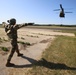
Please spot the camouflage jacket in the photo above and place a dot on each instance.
(11, 30)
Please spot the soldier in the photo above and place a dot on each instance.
(11, 30)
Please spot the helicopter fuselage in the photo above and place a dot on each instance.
(62, 14)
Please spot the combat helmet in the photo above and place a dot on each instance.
(12, 21)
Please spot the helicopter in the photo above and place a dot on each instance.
(62, 12)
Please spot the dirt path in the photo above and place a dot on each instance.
(39, 39)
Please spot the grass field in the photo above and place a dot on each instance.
(58, 59)
(69, 31)
(48, 27)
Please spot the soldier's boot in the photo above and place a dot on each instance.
(18, 53)
(8, 64)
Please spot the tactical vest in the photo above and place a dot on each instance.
(11, 31)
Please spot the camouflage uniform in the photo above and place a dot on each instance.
(11, 31)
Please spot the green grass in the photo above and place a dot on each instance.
(58, 59)
(53, 26)
(4, 49)
(0, 40)
(71, 30)
(27, 43)
(32, 36)
(22, 38)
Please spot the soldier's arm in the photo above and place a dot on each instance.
(21, 25)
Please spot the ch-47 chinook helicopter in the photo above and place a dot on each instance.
(62, 12)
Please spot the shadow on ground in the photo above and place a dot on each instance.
(44, 63)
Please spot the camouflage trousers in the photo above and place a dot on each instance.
(14, 48)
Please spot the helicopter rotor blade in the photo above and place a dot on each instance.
(56, 9)
(68, 12)
(61, 6)
(68, 8)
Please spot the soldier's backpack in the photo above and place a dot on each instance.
(8, 31)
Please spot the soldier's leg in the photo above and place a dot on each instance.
(10, 56)
(17, 50)
(11, 53)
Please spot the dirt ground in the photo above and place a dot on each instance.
(39, 40)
